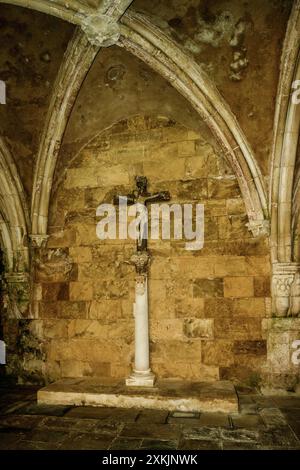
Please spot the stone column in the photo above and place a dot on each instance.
(141, 375)
(17, 295)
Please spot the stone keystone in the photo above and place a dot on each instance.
(101, 30)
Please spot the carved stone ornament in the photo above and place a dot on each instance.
(285, 289)
(101, 30)
(141, 261)
(38, 240)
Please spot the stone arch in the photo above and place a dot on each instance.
(14, 218)
(284, 151)
(151, 45)
(78, 59)
(6, 244)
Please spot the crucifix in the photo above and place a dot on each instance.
(141, 376)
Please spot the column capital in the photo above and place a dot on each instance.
(285, 289)
(141, 260)
(101, 30)
(38, 240)
(259, 227)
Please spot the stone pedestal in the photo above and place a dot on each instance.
(168, 394)
(282, 370)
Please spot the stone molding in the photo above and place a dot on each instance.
(16, 278)
(285, 141)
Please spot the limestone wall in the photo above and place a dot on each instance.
(206, 307)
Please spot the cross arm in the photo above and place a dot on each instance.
(129, 200)
(161, 196)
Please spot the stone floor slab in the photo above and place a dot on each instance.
(201, 433)
(214, 420)
(200, 445)
(44, 409)
(156, 444)
(153, 416)
(121, 443)
(113, 414)
(88, 442)
(159, 431)
(247, 421)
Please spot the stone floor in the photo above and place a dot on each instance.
(263, 423)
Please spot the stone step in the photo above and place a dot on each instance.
(169, 394)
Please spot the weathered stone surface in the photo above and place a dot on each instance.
(204, 433)
(262, 286)
(273, 417)
(55, 291)
(239, 435)
(156, 444)
(223, 189)
(217, 352)
(121, 443)
(219, 308)
(63, 309)
(238, 287)
(202, 444)
(168, 351)
(87, 442)
(208, 288)
(247, 421)
(242, 328)
(198, 328)
(153, 416)
(81, 290)
(255, 348)
(214, 420)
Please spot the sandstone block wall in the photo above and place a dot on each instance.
(206, 307)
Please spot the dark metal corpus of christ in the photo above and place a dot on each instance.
(142, 197)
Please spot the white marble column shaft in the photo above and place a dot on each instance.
(142, 375)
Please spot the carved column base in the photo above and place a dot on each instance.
(141, 379)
